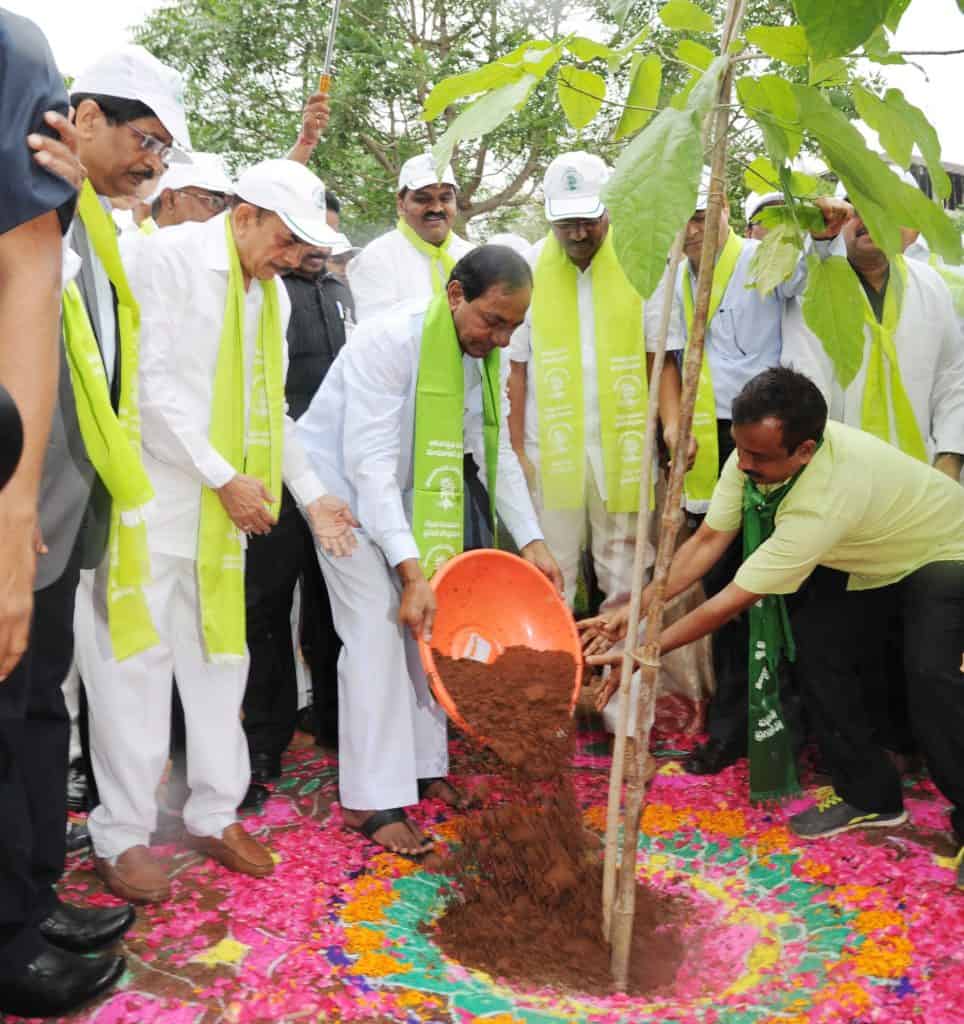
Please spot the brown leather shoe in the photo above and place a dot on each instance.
(137, 876)
(237, 851)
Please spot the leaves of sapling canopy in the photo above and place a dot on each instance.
(805, 215)
(828, 72)
(770, 101)
(833, 308)
(877, 49)
(838, 27)
(884, 202)
(761, 176)
(685, 16)
(895, 12)
(781, 42)
(485, 114)
(900, 124)
(646, 77)
(619, 9)
(588, 49)
(581, 93)
(776, 257)
(694, 54)
(652, 191)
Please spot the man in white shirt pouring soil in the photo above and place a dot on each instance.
(386, 432)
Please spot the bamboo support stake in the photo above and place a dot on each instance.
(642, 537)
(624, 908)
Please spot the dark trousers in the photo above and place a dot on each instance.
(34, 745)
(832, 632)
(275, 563)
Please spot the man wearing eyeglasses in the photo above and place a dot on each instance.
(195, 191)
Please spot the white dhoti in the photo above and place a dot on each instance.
(610, 538)
(130, 716)
(391, 732)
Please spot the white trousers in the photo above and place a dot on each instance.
(130, 716)
(390, 730)
(610, 536)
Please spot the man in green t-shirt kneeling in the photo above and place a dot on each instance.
(812, 495)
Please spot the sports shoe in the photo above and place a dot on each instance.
(832, 814)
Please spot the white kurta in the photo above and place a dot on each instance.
(612, 536)
(930, 351)
(180, 279)
(390, 270)
(359, 436)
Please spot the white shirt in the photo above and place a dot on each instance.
(359, 433)
(180, 279)
(520, 351)
(930, 353)
(390, 270)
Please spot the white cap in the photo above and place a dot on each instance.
(341, 246)
(421, 170)
(754, 203)
(291, 191)
(131, 73)
(573, 186)
(512, 240)
(206, 170)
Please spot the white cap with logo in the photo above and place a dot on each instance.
(573, 186)
(421, 170)
(131, 73)
(291, 191)
(755, 203)
(206, 170)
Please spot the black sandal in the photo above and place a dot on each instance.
(379, 819)
(424, 785)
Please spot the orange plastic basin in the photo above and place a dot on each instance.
(489, 600)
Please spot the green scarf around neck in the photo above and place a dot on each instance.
(439, 437)
(773, 773)
(621, 380)
(113, 441)
(256, 452)
(953, 277)
(440, 259)
(701, 479)
(876, 406)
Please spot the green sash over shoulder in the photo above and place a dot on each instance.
(440, 259)
(439, 437)
(220, 553)
(701, 479)
(622, 385)
(113, 440)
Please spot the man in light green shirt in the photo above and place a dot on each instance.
(862, 508)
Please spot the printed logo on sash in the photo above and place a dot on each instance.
(631, 446)
(560, 436)
(558, 381)
(629, 390)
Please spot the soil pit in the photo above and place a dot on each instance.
(527, 876)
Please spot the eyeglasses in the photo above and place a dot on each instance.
(162, 150)
(212, 200)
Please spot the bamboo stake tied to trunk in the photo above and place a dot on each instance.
(623, 910)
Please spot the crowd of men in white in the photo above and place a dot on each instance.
(187, 303)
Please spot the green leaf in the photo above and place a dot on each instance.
(786, 43)
(836, 28)
(619, 9)
(877, 49)
(828, 72)
(685, 16)
(770, 101)
(483, 116)
(581, 93)
(761, 176)
(491, 76)
(694, 54)
(679, 99)
(806, 216)
(776, 257)
(646, 77)
(833, 308)
(900, 124)
(896, 11)
(652, 191)
(588, 49)
(884, 202)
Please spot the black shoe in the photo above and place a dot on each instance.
(265, 768)
(77, 787)
(78, 836)
(711, 758)
(57, 982)
(255, 798)
(83, 929)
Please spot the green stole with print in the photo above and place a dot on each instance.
(438, 464)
